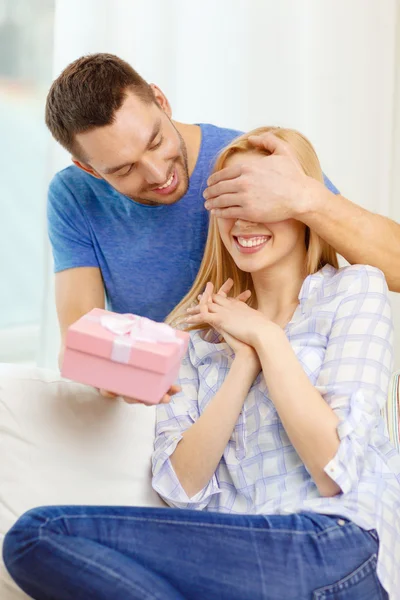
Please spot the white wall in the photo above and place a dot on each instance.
(326, 67)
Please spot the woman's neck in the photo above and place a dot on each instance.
(277, 291)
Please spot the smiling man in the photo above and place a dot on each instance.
(123, 221)
(127, 220)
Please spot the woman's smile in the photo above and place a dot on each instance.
(249, 244)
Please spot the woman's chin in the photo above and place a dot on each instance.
(252, 265)
(251, 269)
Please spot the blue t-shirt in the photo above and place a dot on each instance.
(149, 256)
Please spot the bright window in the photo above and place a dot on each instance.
(26, 56)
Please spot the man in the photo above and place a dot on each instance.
(127, 222)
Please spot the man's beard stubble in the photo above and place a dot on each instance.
(183, 161)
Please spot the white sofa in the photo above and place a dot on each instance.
(62, 443)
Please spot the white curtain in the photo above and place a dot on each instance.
(326, 67)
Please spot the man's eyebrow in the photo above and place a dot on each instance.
(112, 170)
(153, 135)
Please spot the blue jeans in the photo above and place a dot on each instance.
(127, 553)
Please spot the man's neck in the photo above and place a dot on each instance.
(191, 135)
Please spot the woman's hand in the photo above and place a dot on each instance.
(229, 316)
(223, 292)
(200, 314)
(200, 310)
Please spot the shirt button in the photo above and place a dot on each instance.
(341, 522)
(332, 469)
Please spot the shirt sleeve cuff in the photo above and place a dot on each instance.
(354, 434)
(167, 485)
(339, 475)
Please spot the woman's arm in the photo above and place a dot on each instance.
(309, 421)
(189, 445)
(197, 455)
(330, 424)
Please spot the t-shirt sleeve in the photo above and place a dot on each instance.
(68, 229)
(329, 185)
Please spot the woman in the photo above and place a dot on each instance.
(305, 435)
(275, 439)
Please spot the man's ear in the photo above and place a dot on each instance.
(161, 100)
(86, 168)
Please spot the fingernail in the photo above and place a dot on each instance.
(207, 205)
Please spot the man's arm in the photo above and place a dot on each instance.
(280, 190)
(77, 292)
(360, 236)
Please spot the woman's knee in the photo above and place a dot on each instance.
(24, 535)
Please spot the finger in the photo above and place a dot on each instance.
(165, 399)
(229, 186)
(129, 400)
(220, 301)
(244, 296)
(225, 201)
(207, 294)
(225, 287)
(174, 389)
(276, 146)
(225, 174)
(196, 319)
(214, 307)
(204, 296)
(200, 319)
(193, 310)
(271, 143)
(235, 212)
(107, 394)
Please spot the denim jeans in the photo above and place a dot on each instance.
(127, 553)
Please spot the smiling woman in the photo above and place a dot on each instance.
(235, 249)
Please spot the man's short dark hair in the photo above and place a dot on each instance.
(88, 93)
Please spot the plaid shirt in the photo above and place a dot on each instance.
(342, 335)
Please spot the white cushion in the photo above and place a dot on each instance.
(63, 443)
(392, 410)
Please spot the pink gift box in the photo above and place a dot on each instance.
(125, 354)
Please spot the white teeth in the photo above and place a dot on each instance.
(168, 183)
(251, 242)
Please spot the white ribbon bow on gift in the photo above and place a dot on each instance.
(131, 329)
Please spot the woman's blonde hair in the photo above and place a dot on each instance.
(217, 264)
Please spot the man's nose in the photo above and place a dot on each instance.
(155, 173)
